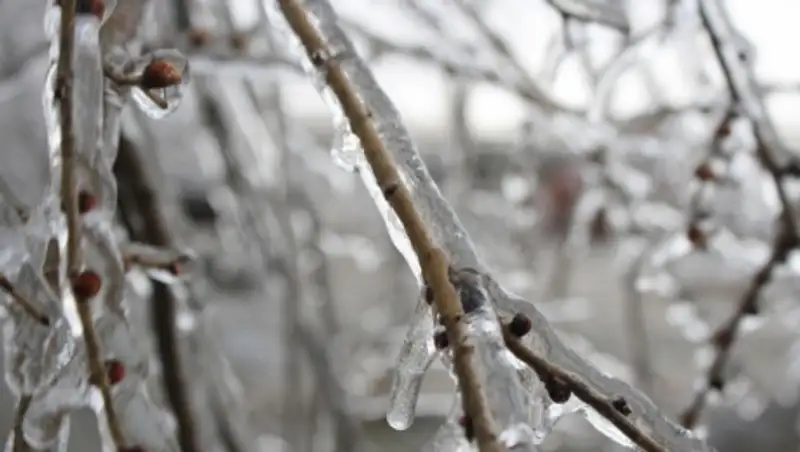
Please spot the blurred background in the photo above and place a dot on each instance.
(569, 148)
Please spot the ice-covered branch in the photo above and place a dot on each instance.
(560, 381)
(78, 91)
(378, 125)
(398, 192)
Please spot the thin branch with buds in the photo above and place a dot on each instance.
(69, 199)
(769, 149)
(615, 410)
(432, 259)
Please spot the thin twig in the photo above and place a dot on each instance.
(613, 410)
(154, 231)
(69, 200)
(24, 303)
(20, 445)
(432, 259)
(745, 94)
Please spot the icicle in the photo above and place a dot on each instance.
(415, 358)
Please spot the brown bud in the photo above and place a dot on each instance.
(600, 227)
(86, 202)
(239, 41)
(86, 285)
(697, 236)
(199, 37)
(115, 371)
(94, 7)
(622, 406)
(724, 129)
(705, 172)
(428, 294)
(520, 325)
(160, 74)
(557, 390)
(440, 340)
(469, 430)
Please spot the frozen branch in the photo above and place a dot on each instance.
(433, 260)
(414, 196)
(65, 91)
(616, 409)
(769, 149)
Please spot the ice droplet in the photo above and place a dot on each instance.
(415, 358)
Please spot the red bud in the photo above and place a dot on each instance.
(160, 74)
(86, 285)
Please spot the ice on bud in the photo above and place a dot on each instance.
(115, 370)
(86, 285)
(86, 202)
(159, 74)
(164, 75)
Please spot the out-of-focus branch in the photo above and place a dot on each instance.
(541, 97)
(769, 149)
(432, 259)
(603, 12)
(22, 301)
(154, 231)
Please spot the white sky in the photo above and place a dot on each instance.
(420, 92)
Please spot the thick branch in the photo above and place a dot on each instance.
(433, 260)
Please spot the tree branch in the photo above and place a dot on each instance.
(769, 149)
(69, 199)
(432, 259)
